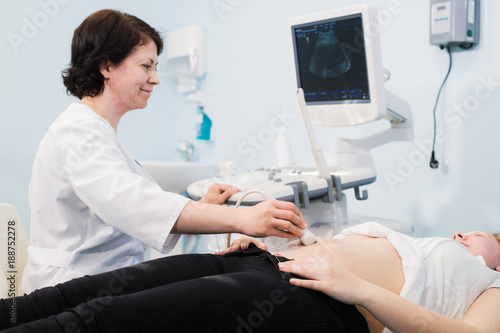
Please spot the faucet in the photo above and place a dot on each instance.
(185, 150)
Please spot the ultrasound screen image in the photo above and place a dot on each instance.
(331, 60)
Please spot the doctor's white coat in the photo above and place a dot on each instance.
(93, 207)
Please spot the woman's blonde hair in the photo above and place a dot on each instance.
(497, 236)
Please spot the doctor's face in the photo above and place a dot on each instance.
(131, 83)
(481, 243)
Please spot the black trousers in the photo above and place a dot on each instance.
(243, 291)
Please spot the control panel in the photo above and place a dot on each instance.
(298, 184)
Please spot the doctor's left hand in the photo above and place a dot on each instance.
(272, 218)
(218, 194)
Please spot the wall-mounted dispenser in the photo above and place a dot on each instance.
(205, 114)
(186, 57)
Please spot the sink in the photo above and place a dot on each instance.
(175, 176)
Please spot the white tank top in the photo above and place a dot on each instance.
(440, 273)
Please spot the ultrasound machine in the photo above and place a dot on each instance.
(340, 83)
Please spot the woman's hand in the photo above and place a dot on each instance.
(243, 243)
(329, 278)
(271, 218)
(218, 194)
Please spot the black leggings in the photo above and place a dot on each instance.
(243, 291)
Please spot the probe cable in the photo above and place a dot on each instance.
(307, 238)
(238, 203)
(434, 163)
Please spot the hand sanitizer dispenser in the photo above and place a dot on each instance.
(186, 57)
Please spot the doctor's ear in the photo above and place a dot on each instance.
(498, 268)
(104, 69)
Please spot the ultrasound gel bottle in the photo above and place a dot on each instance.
(283, 149)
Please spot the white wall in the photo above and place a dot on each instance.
(249, 73)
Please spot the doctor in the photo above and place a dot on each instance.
(93, 207)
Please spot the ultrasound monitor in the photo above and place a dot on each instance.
(338, 65)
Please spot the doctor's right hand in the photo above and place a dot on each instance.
(272, 218)
(218, 194)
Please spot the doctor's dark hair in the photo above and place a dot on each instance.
(105, 37)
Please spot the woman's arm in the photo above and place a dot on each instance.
(402, 315)
(483, 313)
(393, 311)
(268, 218)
